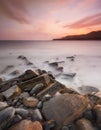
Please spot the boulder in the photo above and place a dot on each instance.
(30, 101)
(84, 124)
(27, 125)
(12, 92)
(64, 109)
(36, 116)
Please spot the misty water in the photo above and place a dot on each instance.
(86, 65)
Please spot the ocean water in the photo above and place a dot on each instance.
(86, 65)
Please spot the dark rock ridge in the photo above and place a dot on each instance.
(36, 101)
(95, 35)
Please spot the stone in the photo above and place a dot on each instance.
(15, 72)
(22, 112)
(40, 105)
(51, 89)
(46, 97)
(2, 98)
(64, 109)
(65, 128)
(29, 84)
(27, 125)
(6, 116)
(54, 64)
(84, 124)
(16, 119)
(87, 89)
(1, 80)
(12, 92)
(36, 116)
(37, 88)
(97, 110)
(3, 105)
(89, 114)
(29, 74)
(59, 68)
(30, 101)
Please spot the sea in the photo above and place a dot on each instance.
(86, 63)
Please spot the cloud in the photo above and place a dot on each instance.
(19, 10)
(89, 21)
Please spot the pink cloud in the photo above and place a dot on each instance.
(89, 21)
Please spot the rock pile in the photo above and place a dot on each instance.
(36, 101)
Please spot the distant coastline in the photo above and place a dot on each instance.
(95, 35)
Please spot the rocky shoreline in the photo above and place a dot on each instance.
(36, 101)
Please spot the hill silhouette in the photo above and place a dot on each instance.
(95, 35)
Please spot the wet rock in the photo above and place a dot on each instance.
(22, 112)
(64, 108)
(29, 84)
(29, 74)
(1, 80)
(46, 97)
(87, 89)
(70, 57)
(51, 89)
(27, 125)
(12, 92)
(40, 105)
(97, 110)
(54, 64)
(84, 124)
(36, 116)
(6, 116)
(37, 88)
(3, 105)
(68, 90)
(69, 75)
(30, 101)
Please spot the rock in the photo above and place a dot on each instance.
(14, 73)
(59, 68)
(29, 84)
(29, 74)
(70, 57)
(64, 108)
(27, 125)
(16, 119)
(8, 67)
(36, 116)
(84, 124)
(87, 89)
(69, 75)
(51, 89)
(22, 112)
(89, 114)
(24, 94)
(2, 98)
(6, 116)
(97, 110)
(40, 105)
(49, 125)
(37, 88)
(12, 92)
(30, 101)
(68, 90)
(46, 97)
(54, 64)
(3, 105)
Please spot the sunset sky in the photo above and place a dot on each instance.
(48, 19)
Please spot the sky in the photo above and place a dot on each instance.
(48, 19)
